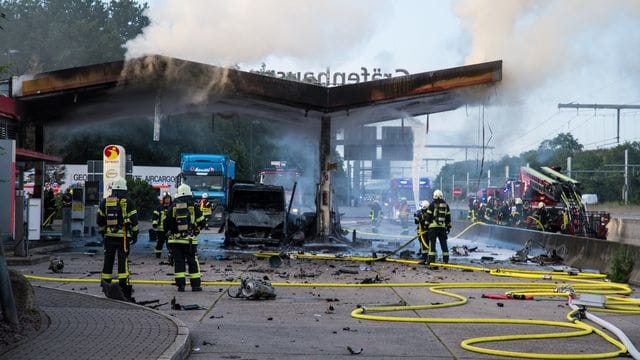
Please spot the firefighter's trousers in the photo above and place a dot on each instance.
(161, 239)
(113, 246)
(439, 233)
(186, 255)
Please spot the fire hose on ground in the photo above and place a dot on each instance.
(578, 282)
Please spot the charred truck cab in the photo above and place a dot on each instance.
(255, 215)
(210, 174)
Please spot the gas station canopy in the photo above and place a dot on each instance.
(145, 85)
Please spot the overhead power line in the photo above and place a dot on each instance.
(602, 106)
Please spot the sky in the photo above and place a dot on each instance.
(555, 51)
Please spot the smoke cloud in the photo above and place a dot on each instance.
(552, 52)
(541, 39)
(225, 32)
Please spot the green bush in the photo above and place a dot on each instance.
(144, 196)
(622, 265)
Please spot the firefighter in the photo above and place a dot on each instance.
(504, 213)
(420, 219)
(376, 216)
(489, 211)
(403, 215)
(474, 206)
(205, 208)
(50, 207)
(183, 222)
(438, 221)
(157, 222)
(118, 221)
(480, 213)
(67, 198)
(541, 217)
(516, 213)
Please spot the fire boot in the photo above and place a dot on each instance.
(195, 284)
(127, 290)
(180, 282)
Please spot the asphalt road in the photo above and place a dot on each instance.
(310, 318)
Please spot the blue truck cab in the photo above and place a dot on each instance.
(208, 173)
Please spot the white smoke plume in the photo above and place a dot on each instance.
(541, 39)
(228, 32)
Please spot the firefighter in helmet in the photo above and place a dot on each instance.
(183, 222)
(421, 224)
(118, 221)
(489, 211)
(541, 217)
(157, 222)
(403, 215)
(516, 213)
(438, 221)
(472, 214)
(375, 213)
(205, 208)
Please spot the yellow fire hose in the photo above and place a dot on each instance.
(554, 284)
(586, 285)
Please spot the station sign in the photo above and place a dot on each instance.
(114, 160)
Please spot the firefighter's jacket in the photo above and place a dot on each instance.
(438, 215)
(471, 214)
(375, 211)
(205, 207)
(420, 217)
(489, 213)
(117, 214)
(159, 215)
(184, 221)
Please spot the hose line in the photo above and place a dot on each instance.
(561, 284)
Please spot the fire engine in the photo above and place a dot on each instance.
(562, 197)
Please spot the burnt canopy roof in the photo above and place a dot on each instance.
(141, 86)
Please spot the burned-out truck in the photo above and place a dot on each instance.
(255, 215)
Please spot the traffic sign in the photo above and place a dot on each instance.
(457, 191)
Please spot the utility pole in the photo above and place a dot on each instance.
(625, 189)
(453, 185)
(602, 106)
(467, 183)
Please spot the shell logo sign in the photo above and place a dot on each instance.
(113, 165)
(111, 152)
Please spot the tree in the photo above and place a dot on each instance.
(190, 132)
(144, 196)
(44, 35)
(556, 151)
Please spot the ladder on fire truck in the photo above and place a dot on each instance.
(572, 199)
(559, 188)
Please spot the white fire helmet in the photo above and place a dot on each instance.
(540, 205)
(119, 184)
(424, 204)
(184, 190)
(518, 201)
(205, 195)
(438, 194)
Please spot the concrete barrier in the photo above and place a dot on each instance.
(579, 252)
(625, 231)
